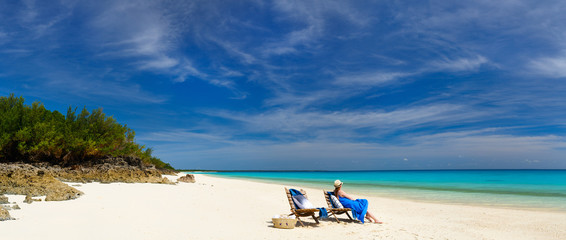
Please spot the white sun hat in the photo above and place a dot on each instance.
(337, 183)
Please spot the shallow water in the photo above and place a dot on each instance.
(537, 189)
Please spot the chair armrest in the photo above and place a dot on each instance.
(306, 210)
(339, 209)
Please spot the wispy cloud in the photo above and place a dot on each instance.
(41, 22)
(495, 27)
(159, 63)
(235, 51)
(459, 64)
(382, 77)
(488, 144)
(186, 136)
(307, 99)
(91, 88)
(550, 67)
(296, 123)
(370, 79)
(311, 15)
(186, 69)
(133, 29)
(351, 84)
(146, 35)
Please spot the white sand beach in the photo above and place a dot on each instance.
(218, 208)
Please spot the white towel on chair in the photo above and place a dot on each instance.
(302, 202)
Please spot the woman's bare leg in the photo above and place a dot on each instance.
(371, 217)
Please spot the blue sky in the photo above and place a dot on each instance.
(325, 85)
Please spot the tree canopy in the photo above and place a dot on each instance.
(31, 133)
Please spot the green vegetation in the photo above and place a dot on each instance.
(35, 134)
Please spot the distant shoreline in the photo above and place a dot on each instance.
(415, 170)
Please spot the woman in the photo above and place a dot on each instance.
(359, 206)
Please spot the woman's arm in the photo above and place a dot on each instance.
(344, 194)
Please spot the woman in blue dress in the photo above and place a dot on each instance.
(359, 206)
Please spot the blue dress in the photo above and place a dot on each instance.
(359, 207)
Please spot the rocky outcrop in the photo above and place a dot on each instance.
(11, 207)
(24, 179)
(61, 195)
(108, 173)
(189, 178)
(110, 169)
(4, 214)
(165, 180)
(28, 199)
(43, 179)
(3, 199)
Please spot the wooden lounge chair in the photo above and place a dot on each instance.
(301, 212)
(333, 210)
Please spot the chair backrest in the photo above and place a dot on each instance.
(327, 197)
(290, 198)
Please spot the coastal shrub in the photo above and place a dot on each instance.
(31, 133)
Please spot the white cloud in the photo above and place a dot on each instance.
(45, 28)
(459, 64)
(312, 98)
(550, 67)
(235, 51)
(454, 19)
(226, 72)
(143, 33)
(159, 63)
(186, 69)
(288, 44)
(184, 135)
(507, 34)
(312, 16)
(347, 85)
(134, 29)
(486, 144)
(296, 123)
(376, 78)
(39, 21)
(146, 34)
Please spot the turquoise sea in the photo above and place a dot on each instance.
(536, 189)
